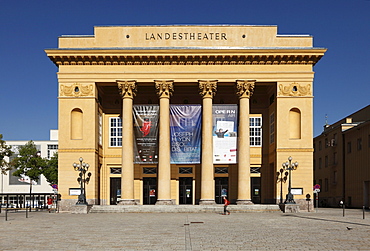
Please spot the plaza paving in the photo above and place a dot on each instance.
(325, 229)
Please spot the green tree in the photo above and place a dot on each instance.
(50, 171)
(28, 162)
(5, 150)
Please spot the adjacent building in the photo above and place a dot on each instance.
(342, 161)
(185, 114)
(13, 188)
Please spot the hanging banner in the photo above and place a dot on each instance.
(225, 125)
(146, 133)
(185, 121)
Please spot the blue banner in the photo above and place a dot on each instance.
(185, 122)
(225, 125)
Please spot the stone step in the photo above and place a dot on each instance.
(182, 208)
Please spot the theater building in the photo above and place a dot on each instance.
(185, 114)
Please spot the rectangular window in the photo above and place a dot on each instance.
(221, 170)
(115, 131)
(100, 130)
(185, 170)
(326, 186)
(359, 144)
(335, 158)
(115, 170)
(255, 128)
(326, 161)
(349, 147)
(320, 146)
(52, 149)
(272, 128)
(320, 163)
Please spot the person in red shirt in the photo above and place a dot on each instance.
(226, 203)
(50, 203)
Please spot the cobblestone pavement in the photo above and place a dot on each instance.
(325, 229)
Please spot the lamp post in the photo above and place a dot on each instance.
(290, 167)
(281, 178)
(82, 167)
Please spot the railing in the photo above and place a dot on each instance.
(24, 200)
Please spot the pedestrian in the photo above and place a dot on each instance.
(50, 203)
(226, 203)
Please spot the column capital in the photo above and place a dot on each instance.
(164, 88)
(127, 88)
(207, 88)
(245, 88)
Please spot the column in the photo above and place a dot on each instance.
(207, 189)
(244, 91)
(127, 91)
(164, 91)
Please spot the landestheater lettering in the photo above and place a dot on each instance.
(186, 36)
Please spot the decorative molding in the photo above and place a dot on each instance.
(207, 88)
(294, 150)
(65, 150)
(76, 90)
(194, 59)
(245, 88)
(127, 89)
(295, 90)
(164, 88)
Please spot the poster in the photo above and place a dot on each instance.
(146, 133)
(225, 124)
(185, 122)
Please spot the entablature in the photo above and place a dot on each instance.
(192, 57)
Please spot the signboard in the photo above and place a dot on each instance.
(297, 191)
(225, 126)
(74, 191)
(185, 130)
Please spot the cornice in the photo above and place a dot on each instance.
(294, 150)
(186, 57)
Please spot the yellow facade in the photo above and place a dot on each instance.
(267, 75)
(342, 160)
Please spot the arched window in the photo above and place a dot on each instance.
(295, 123)
(76, 124)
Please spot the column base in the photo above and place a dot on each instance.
(127, 202)
(164, 202)
(207, 202)
(244, 202)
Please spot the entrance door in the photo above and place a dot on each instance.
(256, 190)
(221, 188)
(149, 191)
(186, 190)
(115, 190)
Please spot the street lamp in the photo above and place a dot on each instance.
(290, 167)
(281, 177)
(82, 167)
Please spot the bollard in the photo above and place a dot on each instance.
(363, 212)
(6, 214)
(344, 207)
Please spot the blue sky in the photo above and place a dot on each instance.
(28, 82)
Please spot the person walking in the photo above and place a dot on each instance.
(50, 203)
(226, 203)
